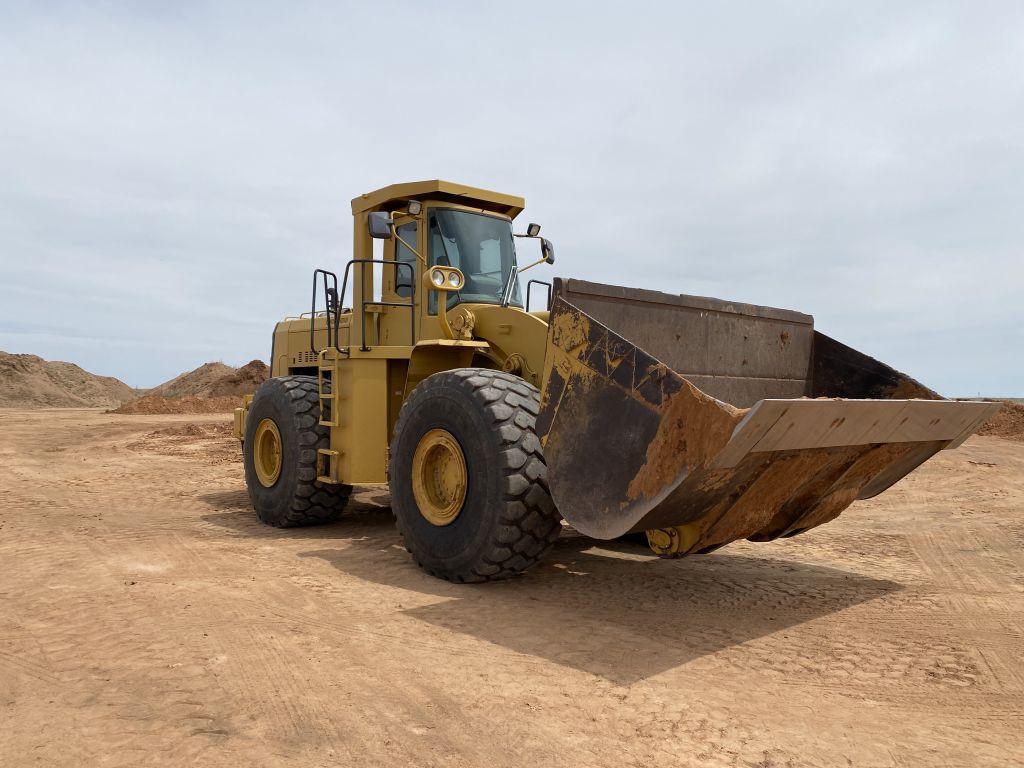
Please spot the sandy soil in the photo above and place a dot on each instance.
(148, 619)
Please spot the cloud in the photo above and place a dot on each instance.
(173, 174)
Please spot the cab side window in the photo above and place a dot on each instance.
(404, 278)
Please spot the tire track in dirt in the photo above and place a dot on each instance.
(977, 596)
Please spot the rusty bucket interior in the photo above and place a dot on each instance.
(703, 421)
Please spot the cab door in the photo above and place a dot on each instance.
(399, 283)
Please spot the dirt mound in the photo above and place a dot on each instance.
(194, 382)
(215, 380)
(154, 404)
(240, 381)
(210, 388)
(27, 381)
(1007, 423)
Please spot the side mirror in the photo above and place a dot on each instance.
(547, 250)
(379, 223)
(532, 230)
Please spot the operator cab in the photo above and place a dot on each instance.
(456, 226)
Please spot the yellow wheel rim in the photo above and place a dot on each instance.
(266, 452)
(439, 477)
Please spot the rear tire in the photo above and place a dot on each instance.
(507, 521)
(293, 496)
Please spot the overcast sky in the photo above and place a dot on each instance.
(171, 173)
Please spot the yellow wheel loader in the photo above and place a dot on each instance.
(694, 420)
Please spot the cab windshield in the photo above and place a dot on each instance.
(481, 247)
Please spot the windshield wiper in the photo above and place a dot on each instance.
(506, 289)
(437, 225)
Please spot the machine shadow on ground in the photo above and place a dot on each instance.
(607, 608)
(370, 507)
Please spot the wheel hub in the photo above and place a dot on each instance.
(266, 452)
(439, 477)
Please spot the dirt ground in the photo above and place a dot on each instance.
(148, 619)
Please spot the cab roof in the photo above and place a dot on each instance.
(395, 195)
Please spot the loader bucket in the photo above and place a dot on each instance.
(734, 421)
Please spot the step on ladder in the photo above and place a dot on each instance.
(327, 460)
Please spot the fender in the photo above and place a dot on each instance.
(435, 355)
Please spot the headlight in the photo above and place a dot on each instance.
(453, 279)
(437, 278)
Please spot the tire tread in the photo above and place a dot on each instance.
(529, 522)
(313, 503)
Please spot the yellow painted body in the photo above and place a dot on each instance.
(368, 385)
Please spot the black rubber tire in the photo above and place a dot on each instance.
(293, 402)
(508, 521)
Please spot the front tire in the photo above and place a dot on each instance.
(494, 474)
(282, 435)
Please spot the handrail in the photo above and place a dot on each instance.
(411, 304)
(327, 298)
(538, 282)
